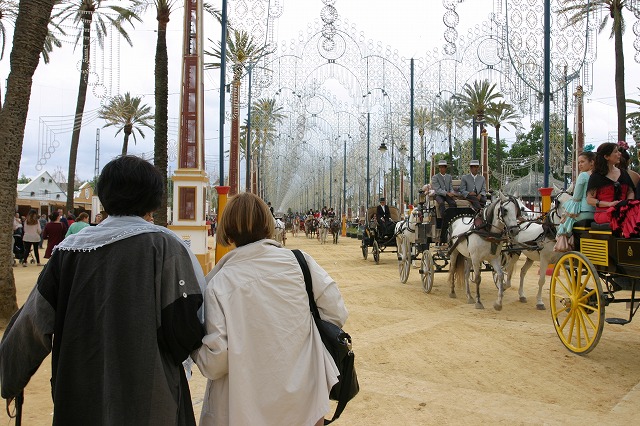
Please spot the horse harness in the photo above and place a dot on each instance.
(482, 225)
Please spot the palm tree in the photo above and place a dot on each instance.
(579, 10)
(501, 114)
(8, 15)
(161, 133)
(265, 117)
(422, 118)
(476, 101)
(126, 113)
(446, 114)
(84, 13)
(241, 51)
(28, 39)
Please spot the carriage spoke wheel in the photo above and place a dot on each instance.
(404, 263)
(577, 308)
(365, 247)
(427, 271)
(376, 251)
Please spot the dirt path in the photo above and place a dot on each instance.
(428, 359)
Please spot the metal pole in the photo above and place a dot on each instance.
(566, 129)
(344, 179)
(331, 181)
(368, 146)
(474, 155)
(248, 147)
(411, 123)
(223, 65)
(547, 86)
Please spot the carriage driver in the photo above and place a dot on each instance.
(472, 186)
(443, 186)
(383, 215)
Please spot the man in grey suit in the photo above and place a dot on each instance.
(472, 186)
(442, 185)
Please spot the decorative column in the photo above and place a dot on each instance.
(190, 179)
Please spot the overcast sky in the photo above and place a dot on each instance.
(411, 26)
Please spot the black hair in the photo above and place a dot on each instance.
(130, 186)
(600, 165)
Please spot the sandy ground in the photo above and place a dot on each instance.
(426, 359)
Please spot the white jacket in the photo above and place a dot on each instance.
(262, 354)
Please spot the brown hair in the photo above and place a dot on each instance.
(82, 216)
(245, 219)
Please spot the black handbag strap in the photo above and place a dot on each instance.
(346, 385)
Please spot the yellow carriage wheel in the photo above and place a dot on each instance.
(577, 308)
(404, 260)
(427, 271)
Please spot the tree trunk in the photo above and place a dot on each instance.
(28, 39)
(82, 97)
(450, 145)
(498, 153)
(125, 144)
(160, 155)
(235, 137)
(619, 78)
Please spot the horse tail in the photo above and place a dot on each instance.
(456, 270)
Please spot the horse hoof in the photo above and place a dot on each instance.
(452, 295)
(497, 307)
(479, 305)
(523, 299)
(540, 307)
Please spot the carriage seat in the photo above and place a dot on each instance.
(599, 226)
(460, 202)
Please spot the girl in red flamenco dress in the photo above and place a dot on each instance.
(612, 192)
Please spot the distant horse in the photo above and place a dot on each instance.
(536, 241)
(480, 239)
(310, 226)
(323, 230)
(279, 234)
(296, 226)
(335, 226)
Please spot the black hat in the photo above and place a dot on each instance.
(383, 199)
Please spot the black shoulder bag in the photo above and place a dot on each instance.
(338, 343)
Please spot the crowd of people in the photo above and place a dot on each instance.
(30, 232)
(123, 307)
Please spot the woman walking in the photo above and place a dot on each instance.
(54, 233)
(31, 237)
(262, 354)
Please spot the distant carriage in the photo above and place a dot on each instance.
(379, 237)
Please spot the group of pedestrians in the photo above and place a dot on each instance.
(122, 305)
(31, 231)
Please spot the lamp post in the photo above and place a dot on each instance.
(382, 148)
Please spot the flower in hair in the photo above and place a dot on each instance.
(624, 145)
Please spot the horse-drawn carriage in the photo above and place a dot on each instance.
(577, 295)
(379, 236)
(473, 240)
(421, 234)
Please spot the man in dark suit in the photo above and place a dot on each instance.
(383, 215)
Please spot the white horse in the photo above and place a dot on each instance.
(405, 231)
(279, 234)
(536, 241)
(481, 239)
(323, 230)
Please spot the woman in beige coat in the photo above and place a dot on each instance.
(262, 354)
